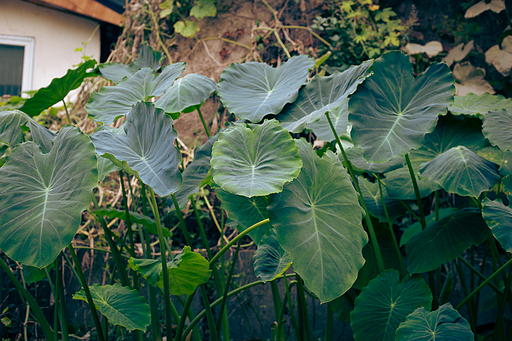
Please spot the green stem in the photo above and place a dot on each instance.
(500, 323)
(411, 212)
(204, 123)
(371, 230)
(237, 238)
(484, 283)
(209, 315)
(56, 305)
(182, 221)
(181, 324)
(328, 323)
(85, 286)
(165, 274)
(277, 301)
(294, 320)
(303, 311)
(479, 274)
(60, 293)
(67, 112)
(310, 31)
(47, 330)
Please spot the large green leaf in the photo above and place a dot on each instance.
(413, 229)
(445, 240)
(10, 126)
(399, 185)
(246, 162)
(122, 306)
(386, 302)
(461, 171)
(148, 57)
(147, 148)
(112, 102)
(391, 111)
(58, 89)
(187, 270)
(496, 128)
(246, 212)
(480, 105)
(444, 324)
(186, 93)
(499, 219)
(321, 95)
(42, 196)
(355, 155)
(254, 90)
(135, 217)
(373, 201)
(318, 222)
(196, 173)
(270, 260)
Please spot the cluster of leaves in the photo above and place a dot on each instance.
(329, 214)
(358, 30)
(175, 9)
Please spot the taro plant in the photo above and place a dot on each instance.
(408, 197)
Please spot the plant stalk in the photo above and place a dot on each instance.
(204, 123)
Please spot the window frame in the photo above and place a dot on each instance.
(28, 44)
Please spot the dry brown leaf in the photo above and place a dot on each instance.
(432, 48)
(495, 6)
(471, 80)
(458, 53)
(501, 59)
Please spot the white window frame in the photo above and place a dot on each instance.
(28, 58)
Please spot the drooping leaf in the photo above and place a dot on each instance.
(445, 240)
(479, 105)
(253, 90)
(321, 95)
(391, 111)
(135, 217)
(444, 324)
(112, 102)
(122, 306)
(43, 196)
(246, 212)
(105, 167)
(318, 222)
(186, 28)
(399, 185)
(10, 127)
(246, 162)
(413, 229)
(34, 275)
(195, 174)
(186, 93)
(384, 303)
(498, 218)
(148, 57)
(203, 8)
(373, 201)
(41, 135)
(147, 150)
(187, 270)
(270, 260)
(461, 171)
(58, 89)
(497, 128)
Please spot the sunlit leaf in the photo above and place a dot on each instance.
(186, 28)
(203, 8)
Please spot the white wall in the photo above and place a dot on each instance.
(56, 34)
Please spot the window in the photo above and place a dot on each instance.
(17, 56)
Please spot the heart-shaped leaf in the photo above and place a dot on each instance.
(497, 128)
(187, 270)
(147, 148)
(186, 93)
(122, 306)
(112, 102)
(461, 171)
(499, 219)
(246, 162)
(318, 221)
(321, 95)
(445, 240)
(148, 57)
(254, 90)
(43, 196)
(384, 303)
(246, 212)
(196, 173)
(391, 111)
(479, 105)
(270, 260)
(444, 324)
(58, 89)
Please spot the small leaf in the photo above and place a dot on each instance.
(499, 217)
(432, 48)
(444, 324)
(186, 28)
(482, 6)
(122, 306)
(384, 303)
(270, 260)
(253, 90)
(245, 162)
(203, 8)
(58, 89)
(445, 240)
(458, 53)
